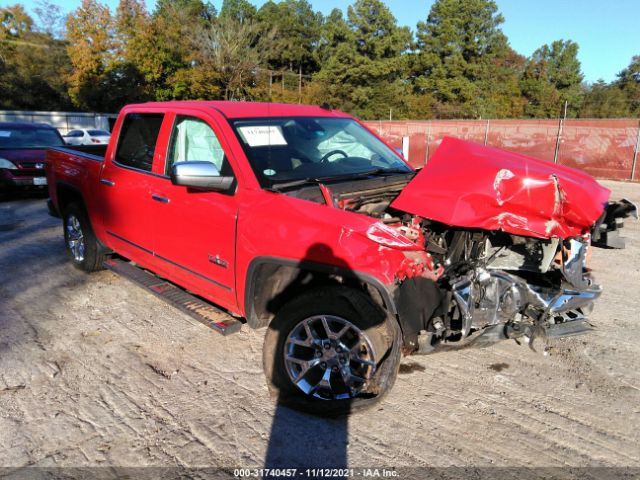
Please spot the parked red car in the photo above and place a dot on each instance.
(23, 149)
(300, 219)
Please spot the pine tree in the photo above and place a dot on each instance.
(629, 83)
(552, 77)
(363, 73)
(462, 59)
(293, 28)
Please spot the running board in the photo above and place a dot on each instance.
(197, 309)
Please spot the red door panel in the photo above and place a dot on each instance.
(194, 231)
(127, 182)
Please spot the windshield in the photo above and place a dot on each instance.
(16, 137)
(282, 150)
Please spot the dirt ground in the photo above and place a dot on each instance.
(96, 372)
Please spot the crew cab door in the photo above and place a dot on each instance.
(194, 231)
(126, 183)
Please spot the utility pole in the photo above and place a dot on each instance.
(428, 140)
(635, 155)
(559, 139)
(390, 114)
(300, 84)
(486, 133)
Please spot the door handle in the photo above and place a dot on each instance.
(160, 198)
(107, 182)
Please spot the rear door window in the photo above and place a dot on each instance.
(137, 141)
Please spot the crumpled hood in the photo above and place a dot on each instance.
(469, 185)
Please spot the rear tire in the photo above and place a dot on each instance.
(323, 343)
(81, 243)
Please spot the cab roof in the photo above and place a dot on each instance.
(231, 109)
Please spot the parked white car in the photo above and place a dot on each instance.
(87, 137)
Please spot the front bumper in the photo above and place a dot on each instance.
(22, 178)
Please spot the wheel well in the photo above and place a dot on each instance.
(272, 284)
(67, 194)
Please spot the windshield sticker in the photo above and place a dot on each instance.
(269, 172)
(263, 136)
(5, 133)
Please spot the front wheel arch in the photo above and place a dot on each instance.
(271, 282)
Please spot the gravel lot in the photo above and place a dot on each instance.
(97, 372)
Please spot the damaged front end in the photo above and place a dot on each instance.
(497, 286)
(500, 246)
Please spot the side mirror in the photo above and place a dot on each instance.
(202, 175)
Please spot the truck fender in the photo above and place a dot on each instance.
(273, 281)
(67, 193)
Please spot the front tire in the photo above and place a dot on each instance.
(82, 246)
(331, 351)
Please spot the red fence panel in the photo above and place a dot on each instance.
(392, 132)
(418, 147)
(472, 130)
(536, 138)
(602, 148)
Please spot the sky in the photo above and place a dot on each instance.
(608, 32)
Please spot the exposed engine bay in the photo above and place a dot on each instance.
(463, 286)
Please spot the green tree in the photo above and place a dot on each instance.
(240, 10)
(462, 59)
(126, 79)
(334, 32)
(293, 31)
(172, 64)
(629, 83)
(552, 77)
(602, 100)
(364, 73)
(231, 48)
(34, 65)
(90, 36)
(194, 9)
(15, 22)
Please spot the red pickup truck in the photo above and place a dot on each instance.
(300, 219)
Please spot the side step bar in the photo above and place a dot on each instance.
(197, 309)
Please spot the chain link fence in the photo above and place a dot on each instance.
(604, 148)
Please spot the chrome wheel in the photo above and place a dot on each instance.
(329, 358)
(75, 238)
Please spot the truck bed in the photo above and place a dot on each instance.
(94, 152)
(75, 168)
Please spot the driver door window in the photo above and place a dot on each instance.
(192, 140)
